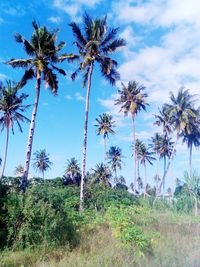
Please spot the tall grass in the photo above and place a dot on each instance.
(178, 246)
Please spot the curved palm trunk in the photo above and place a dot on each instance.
(164, 172)
(168, 164)
(6, 151)
(85, 138)
(104, 149)
(145, 180)
(31, 134)
(190, 162)
(135, 159)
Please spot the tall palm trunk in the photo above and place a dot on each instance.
(145, 179)
(169, 163)
(157, 175)
(104, 139)
(190, 161)
(31, 134)
(134, 147)
(6, 151)
(164, 172)
(85, 138)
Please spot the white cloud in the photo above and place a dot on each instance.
(3, 76)
(55, 20)
(79, 97)
(68, 97)
(163, 13)
(74, 8)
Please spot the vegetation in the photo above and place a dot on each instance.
(93, 218)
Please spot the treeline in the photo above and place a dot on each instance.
(95, 42)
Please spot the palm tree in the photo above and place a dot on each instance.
(94, 44)
(138, 147)
(146, 156)
(19, 170)
(101, 174)
(165, 151)
(132, 99)
(11, 109)
(42, 161)
(192, 138)
(73, 170)
(191, 186)
(43, 55)
(163, 119)
(105, 125)
(114, 156)
(180, 111)
(155, 146)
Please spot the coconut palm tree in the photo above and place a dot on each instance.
(43, 55)
(146, 157)
(155, 146)
(19, 170)
(180, 111)
(42, 161)
(192, 139)
(101, 174)
(105, 125)
(165, 151)
(11, 109)
(114, 156)
(73, 170)
(163, 119)
(138, 147)
(95, 42)
(132, 99)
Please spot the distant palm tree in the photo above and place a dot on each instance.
(155, 146)
(40, 65)
(101, 174)
(163, 119)
(19, 170)
(138, 147)
(191, 186)
(42, 162)
(120, 180)
(73, 170)
(192, 138)
(146, 156)
(11, 109)
(180, 111)
(95, 44)
(114, 156)
(165, 152)
(132, 99)
(105, 125)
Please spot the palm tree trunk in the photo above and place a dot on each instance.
(43, 175)
(85, 138)
(157, 176)
(31, 135)
(190, 162)
(104, 149)
(6, 151)
(168, 164)
(134, 147)
(164, 172)
(145, 179)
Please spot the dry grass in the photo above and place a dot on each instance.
(178, 246)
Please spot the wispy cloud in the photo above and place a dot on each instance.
(74, 8)
(55, 20)
(79, 97)
(68, 97)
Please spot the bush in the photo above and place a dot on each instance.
(41, 217)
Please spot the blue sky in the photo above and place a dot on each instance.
(162, 52)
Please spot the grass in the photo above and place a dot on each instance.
(177, 246)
